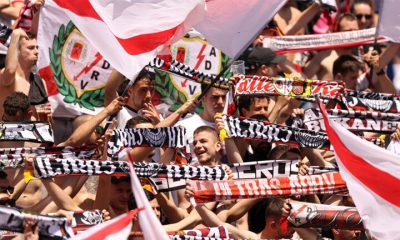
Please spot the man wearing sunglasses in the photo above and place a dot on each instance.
(363, 10)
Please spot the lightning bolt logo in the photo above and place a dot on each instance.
(88, 67)
(200, 57)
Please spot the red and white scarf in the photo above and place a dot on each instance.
(208, 191)
(303, 43)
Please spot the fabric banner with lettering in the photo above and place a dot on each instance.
(248, 170)
(220, 232)
(49, 226)
(209, 191)
(74, 71)
(353, 120)
(372, 95)
(39, 132)
(50, 167)
(365, 104)
(84, 152)
(300, 88)
(188, 72)
(303, 214)
(313, 42)
(174, 137)
(265, 131)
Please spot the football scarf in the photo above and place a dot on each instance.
(50, 167)
(248, 170)
(212, 232)
(173, 137)
(379, 105)
(300, 88)
(265, 131)
(13, 157)
(52, 227)
(209, 191)
(86, 219)
(312, 42)
(353, 120)
(186, 71)
(39, 132)
(304, 214)
(372, 95)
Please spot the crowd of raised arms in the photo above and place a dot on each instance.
(254, 163)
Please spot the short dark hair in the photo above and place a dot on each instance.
(245, 101)
(274, 209)
(206, 129)
(345, 64)
(133, 122)
(16, 102)
(367, 2)
(120, 179)
(280, 150)
(143, 74)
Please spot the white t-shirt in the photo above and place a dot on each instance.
(124, 115)
(191, 124)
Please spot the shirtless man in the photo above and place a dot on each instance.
(21, 57)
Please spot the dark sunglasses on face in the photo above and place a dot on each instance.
(9, 190)
(367, 16)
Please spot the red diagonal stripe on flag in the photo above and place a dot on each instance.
(380, 182)
(135, 45)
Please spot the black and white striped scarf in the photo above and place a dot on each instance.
(52, 227)
(188, 72)
(174, 137)
(39, 132)
(48, 167)
(353, 120)
(365, 104)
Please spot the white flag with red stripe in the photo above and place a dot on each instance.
(372, 177)
(130, 33)
(117, 228)
(231, 25)
(148, 221)
(388, 23)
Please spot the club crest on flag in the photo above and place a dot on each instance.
(196, 53)
(79, 70)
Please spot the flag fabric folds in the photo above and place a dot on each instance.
(127, 33)
(372, 178)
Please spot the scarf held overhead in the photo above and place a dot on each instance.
(300, 88)
(312, 42)
(188, 72)
(39, 132)
(174, 137)
(209, 191)
(304, 214)
(353, 120)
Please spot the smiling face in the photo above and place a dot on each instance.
(364, 15)
(206, 147)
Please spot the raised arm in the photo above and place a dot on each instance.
(83, 132)
(112, 85)
(7, 76)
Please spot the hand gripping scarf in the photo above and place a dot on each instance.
(39, 132)
(312, 215)
(174, 137)
(299, 88)
(209, 191)
(49, 226)
(186, 71)
(312, 42)
(353, 120)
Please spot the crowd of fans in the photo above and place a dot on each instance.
(23, 97)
